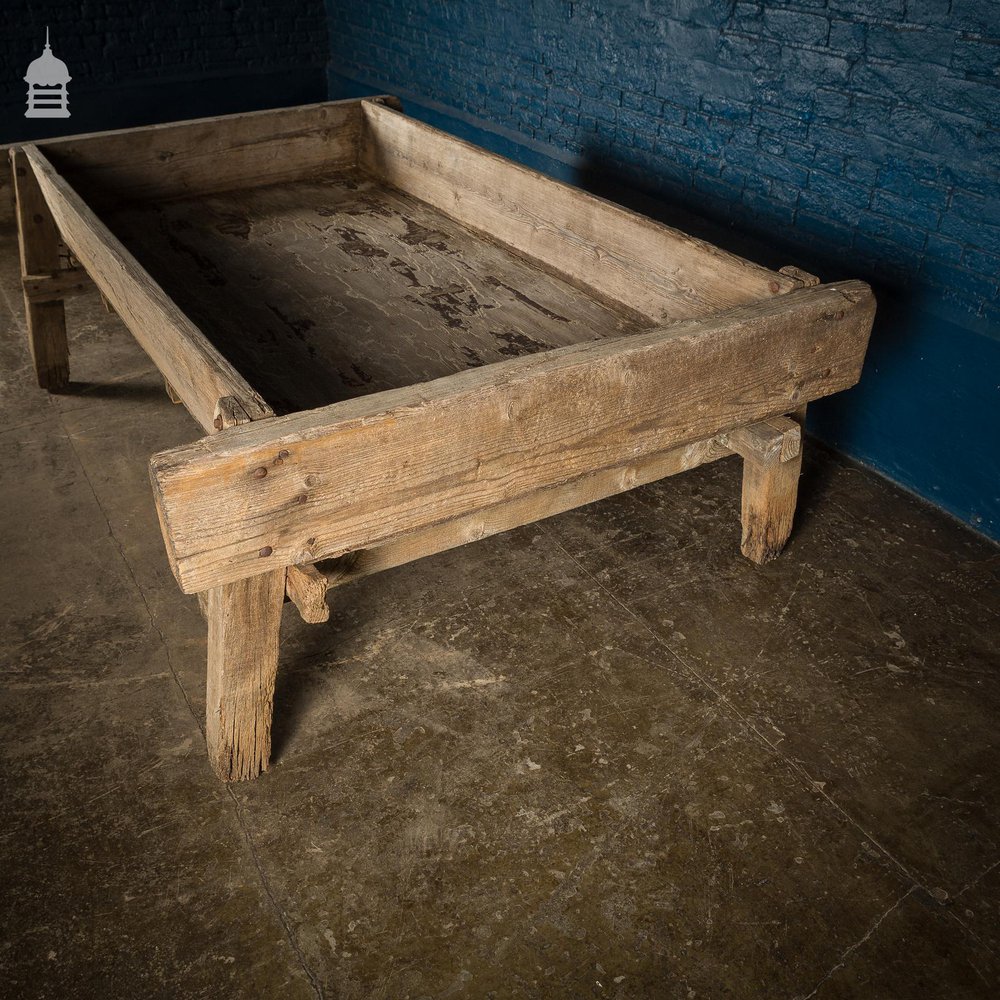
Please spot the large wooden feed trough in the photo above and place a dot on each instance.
(396, 343)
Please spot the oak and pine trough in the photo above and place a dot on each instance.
(395, 343)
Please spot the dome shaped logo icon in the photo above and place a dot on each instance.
(47, 77)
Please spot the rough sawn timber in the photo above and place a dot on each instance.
(210, 154)
(659, 271)
(305, 587)
(38, 239)
(532, 507)
(244, 626)
(244, 620)
(198, 373)
(325, 290)
(352, 475)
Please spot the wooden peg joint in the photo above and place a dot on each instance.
(306, 587)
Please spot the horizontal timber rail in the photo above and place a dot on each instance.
(321, 483)
(56, 284)
(535, 506)
(196, 371)
(654, 269)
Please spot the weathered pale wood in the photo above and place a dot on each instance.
(305, 587)
(56, 284)
(804, 278)
(171, 392)
(244, 624)
(775, 438)
(770, 490)
(38, 239)
(210, 154)
(661, 272)
(230, 412)
(244, 619)
(196, 370)
(525, 510)
(359, 473)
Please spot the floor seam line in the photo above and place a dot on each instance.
(279, 911)
(842, 961)
(724, 699)
(135, 582)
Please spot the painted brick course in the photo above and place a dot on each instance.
(864, 130)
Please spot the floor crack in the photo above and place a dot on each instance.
(280, 913)
(282, 916)
(842, 961)
(811, 783)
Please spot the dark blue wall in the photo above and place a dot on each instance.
(136, 63)
(851, 137)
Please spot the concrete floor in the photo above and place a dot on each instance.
(600, 756)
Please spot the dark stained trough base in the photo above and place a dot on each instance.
(600, 756)
(322, 291)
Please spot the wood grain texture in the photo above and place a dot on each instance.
(244, 620)
(804, 278)
(356, 474)
(305, 587)
(329, 290)
(661, 272)
(171, 392)
(38, 240)
(199, 374)
(777, 438)
(525, 510)
(56, 285)
(770, 492)
(209, 154)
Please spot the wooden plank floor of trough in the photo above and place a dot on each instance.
(323, 291)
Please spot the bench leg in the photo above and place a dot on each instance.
(772, 463)
(769, 494)
(39, 243)
(244, 619)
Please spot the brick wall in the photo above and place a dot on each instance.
(134, 63)
(868, 127)
(857, 137)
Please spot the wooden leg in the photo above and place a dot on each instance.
(244, 620)
(772, 462)
(769, 492)
(39, 243)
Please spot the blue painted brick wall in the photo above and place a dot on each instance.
(857, 137)
(133, 63)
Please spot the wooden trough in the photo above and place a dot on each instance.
(397, 343)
